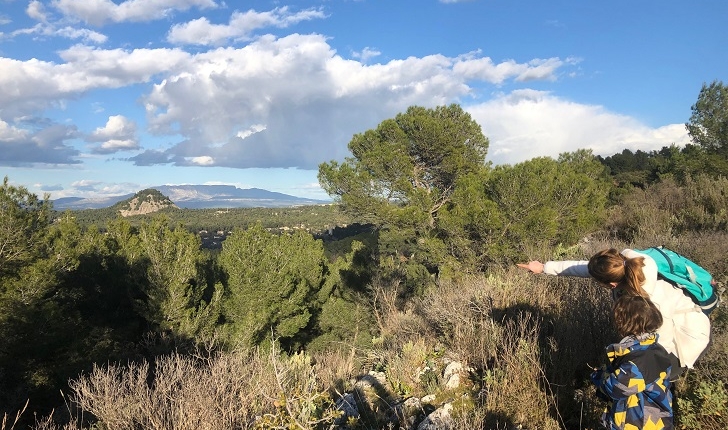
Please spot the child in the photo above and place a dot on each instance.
(637, 378)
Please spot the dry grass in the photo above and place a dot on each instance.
(239, 390)
(217, 392)
(525, 335)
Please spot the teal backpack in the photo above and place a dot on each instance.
(681, 272)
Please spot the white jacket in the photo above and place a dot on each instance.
(685, 330)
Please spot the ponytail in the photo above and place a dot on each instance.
(609, 266)
(634, 277)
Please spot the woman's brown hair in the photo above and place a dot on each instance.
(634, 315)
(609, 266)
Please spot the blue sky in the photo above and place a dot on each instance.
(103, 98)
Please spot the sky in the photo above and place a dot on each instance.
(102, 98)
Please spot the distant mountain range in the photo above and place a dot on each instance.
(198, 197)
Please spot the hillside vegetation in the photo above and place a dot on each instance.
(419, 319)
(317, 219)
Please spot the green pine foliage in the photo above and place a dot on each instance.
(169, 271)
(23, 220)
(401, 177)
(544, 202)
(708, 124)
(272, 285)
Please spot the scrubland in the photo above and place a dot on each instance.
(525, 339)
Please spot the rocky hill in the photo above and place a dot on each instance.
(144, 202)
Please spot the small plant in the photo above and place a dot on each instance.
(429, 380)
(301, 404)
(705, 406)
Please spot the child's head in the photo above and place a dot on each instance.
(610, 268)
(634, 315)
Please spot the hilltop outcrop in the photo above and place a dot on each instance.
(144, 202)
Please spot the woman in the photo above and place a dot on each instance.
(686, 330)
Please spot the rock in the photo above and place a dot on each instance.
(411, 413)
(440, 419)
(430, 398)
(346, 404)
(453, 374)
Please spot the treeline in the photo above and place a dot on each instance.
(74, 293)
(640, 168)
(707, 154)
(315, 219)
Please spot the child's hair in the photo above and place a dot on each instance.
(609, 266)
(634, 315)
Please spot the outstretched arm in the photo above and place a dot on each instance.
(561, 268)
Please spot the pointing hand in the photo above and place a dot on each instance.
(532, 266)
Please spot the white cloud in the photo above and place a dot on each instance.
(255, 128)
(117, 126)
(98, 68)
(539, 69)
(202, 161)
(471, 67)
(80, 33)
(116, 145)
(119, 134)
(240, 27)
(47, 27)
(311, 101)
(366, 54)
(95, 189)
(36, 11)
(34, 85)
(527, 124)
(44, 29)
(99, 12)
(10, 133)
(86, 184)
